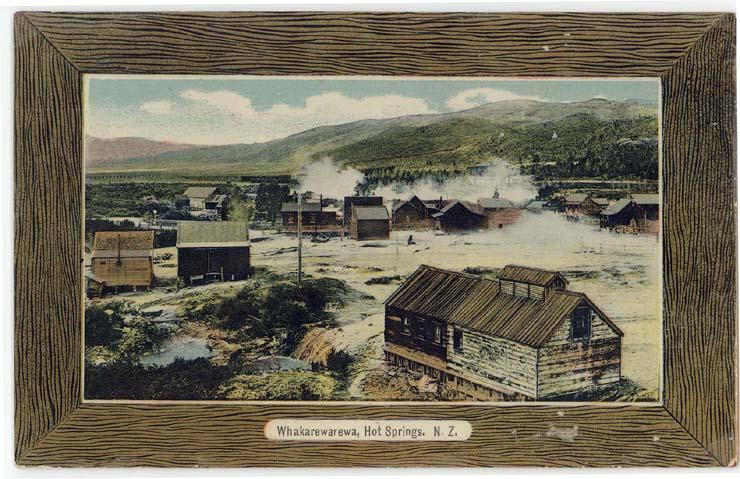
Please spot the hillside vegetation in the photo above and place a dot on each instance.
(596, 138)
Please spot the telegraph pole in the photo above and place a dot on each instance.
(300, 239)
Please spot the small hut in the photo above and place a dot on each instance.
(212, 250)
(370, 223)
(123, 258)
(350, 201)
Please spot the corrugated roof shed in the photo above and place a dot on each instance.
(212, 234)
(124, 240)
(495, 203)
(477, 303)
(199, 191)
(371, 213)
(526, 274)
(293, 207)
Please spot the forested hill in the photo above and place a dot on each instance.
(595, 138)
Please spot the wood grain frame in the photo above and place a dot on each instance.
(693, 54)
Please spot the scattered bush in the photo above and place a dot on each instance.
(284, 385)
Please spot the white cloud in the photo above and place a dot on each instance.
(162, 107)
(480, 96)
(247, 124)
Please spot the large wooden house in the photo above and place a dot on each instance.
(370, 223)
(123, 258)
(412, 214)
(460, 215)
(522, 336)
(212, 250)
(314, 218)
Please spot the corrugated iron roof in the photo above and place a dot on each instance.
(199, 191)
(293, 207)
(526, 274)
(123, 240)
(371, 213)
(478, 304)
(212, 234)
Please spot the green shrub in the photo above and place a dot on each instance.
(284, 385)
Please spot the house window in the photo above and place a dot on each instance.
(581, 324)
(437, 333)
(291, 219)
(406, 323)
(457, 339)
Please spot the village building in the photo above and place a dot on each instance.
(522, 336)
(350, 201)
(212, 250)
(314, 217)
(499, 211)
(574, 201)
(219, 204)
(197, 196)
(411, 214)
(593, 206)
(435, 206)
(370, 223)
(122, 258)
(650, 204)
(460, 215)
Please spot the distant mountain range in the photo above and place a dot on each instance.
(515, 130)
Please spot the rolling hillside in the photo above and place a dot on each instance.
(597, 134)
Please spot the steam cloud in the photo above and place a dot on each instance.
(334, 181)
(329, 179)
(500, 175)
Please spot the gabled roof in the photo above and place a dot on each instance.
(617, 206)
(525, 274)
(371, 213)
(598, 201)
(535, 205)
(493, 203)
(478, 304)
(212, 234)
(575, 198)
(199, 191)
(472, 207)
(647, 199)
(293, 207)
(123, 240)
(218, 199)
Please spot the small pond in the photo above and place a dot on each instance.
(178, 346)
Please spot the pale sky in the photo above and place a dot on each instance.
(215, 111)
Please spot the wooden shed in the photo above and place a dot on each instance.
(594, 206)
(650, 204)
(521, 336)
(314, 218)
(370, 223)
(212, 250)
(350, 201)
(625, 212)
(123, 258)
(197, 196)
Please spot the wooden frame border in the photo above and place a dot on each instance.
(694, 54)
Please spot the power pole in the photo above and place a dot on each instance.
(300, 239)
